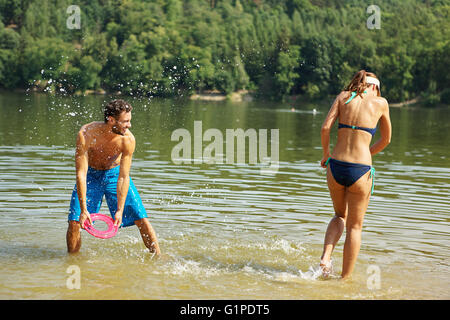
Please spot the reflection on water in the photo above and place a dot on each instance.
(226, 231)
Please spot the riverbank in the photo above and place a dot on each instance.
(207, 95)
(215, 95)
(405, 103)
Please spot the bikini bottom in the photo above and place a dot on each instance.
(347, 173)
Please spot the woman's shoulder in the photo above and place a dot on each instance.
(343, 95)
(381, 101)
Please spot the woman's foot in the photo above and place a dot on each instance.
(326, 268)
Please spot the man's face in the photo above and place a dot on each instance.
(121, 124)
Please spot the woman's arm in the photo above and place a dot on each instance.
(385, 130)
(328, 123)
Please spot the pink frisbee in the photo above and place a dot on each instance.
(111, 232)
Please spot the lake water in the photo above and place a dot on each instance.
(226, 231)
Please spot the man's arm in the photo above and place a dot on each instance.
(81, 167)
(123, 183)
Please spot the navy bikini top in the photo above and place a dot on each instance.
(369, 130)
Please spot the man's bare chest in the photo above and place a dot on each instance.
(102, 148)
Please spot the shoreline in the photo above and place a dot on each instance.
(214, 95)
(210, 95)
(405, 103)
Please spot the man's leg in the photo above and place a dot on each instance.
(148, 235)
(73, 237)
(94, 197)
(134, 212)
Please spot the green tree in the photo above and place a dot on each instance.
(287, 73)
(274, 47)
(45, 59)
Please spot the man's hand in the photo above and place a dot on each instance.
(118, 218)
(83, 217)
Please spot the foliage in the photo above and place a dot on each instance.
(275, 48)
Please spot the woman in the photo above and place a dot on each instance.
(349, 168)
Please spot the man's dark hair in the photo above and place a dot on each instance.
(115, 108)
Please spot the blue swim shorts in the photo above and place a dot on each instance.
(104, 182)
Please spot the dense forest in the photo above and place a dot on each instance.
(273, 48)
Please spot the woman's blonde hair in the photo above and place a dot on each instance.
(359, 84)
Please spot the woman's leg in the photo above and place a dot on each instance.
(337, 223)
(358, 196)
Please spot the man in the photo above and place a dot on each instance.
(102, 160)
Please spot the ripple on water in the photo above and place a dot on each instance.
(221, 227)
